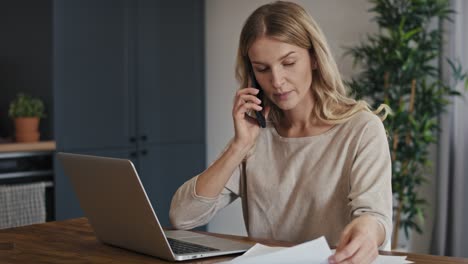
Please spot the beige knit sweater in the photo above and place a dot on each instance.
(298, 189)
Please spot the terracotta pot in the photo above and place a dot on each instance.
(27, 129)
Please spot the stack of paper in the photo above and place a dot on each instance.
(383, 259)
(313, 252)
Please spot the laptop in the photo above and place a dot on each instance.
(120, 213)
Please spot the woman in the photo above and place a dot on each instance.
(322, 164)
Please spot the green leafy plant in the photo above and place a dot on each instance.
(401, 67)
(26, 106)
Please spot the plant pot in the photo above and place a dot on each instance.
(27, 129)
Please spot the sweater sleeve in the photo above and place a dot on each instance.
(371, 177)
(189, 210)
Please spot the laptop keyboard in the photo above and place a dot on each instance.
(182, 247)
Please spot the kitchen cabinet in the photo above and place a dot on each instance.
(129, 83)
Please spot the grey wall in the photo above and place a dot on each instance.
(344, 23)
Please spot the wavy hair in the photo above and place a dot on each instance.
(290, 23)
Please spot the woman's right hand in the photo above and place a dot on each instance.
(246, 127)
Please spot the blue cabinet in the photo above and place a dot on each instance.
(129, 83)
(170, 70)
(92, 93)
(164, 167)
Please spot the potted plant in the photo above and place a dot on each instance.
(26, 112)
(401, 67)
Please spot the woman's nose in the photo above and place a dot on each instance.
(277, 78)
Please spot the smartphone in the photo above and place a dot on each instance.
(258, 114)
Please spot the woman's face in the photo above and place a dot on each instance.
(284, 72)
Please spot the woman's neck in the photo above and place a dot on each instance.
(302, 128)
(301, 123)
(300, 116)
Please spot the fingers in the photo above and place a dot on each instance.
(247, 98)
(249, 106)
(245, 101)
(357, 243)
(358, 250)
(245, 91)
(346, 252)
(240, 111)
(344, 239)
(365, 254)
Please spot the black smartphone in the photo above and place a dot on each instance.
(258, 114)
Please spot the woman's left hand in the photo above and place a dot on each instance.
(359, 242)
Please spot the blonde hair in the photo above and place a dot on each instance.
(290, 23)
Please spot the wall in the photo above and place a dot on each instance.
(344, 23)
(25, 58)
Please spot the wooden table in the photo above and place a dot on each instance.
(73, 241)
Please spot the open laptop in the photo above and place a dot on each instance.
(118, 209)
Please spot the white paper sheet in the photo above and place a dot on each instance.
(313, 252)
(383, 259)
(259, 249)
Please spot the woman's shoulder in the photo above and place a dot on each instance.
(363, 123)
(364, 119)
(368, 126)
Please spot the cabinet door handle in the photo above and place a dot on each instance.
(144, 138)
(132, 139)
(133, 154)
(144, 152)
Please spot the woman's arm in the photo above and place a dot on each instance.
(370, 197)
(196, 202)
(212, 181)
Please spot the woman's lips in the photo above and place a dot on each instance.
(282, 96)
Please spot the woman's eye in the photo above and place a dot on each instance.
(261, 69)
(289, 63)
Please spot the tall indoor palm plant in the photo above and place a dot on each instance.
(401, 67)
